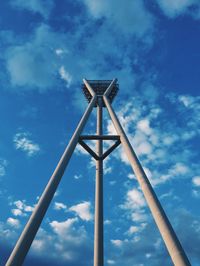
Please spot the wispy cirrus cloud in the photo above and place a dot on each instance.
(33, 64)
(3, 165)
(142, 120)
(23, 142)
(134, 19)
(37, 60)
(174, 8)
(35, 6)
(60, 206)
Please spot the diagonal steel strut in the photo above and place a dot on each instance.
(171, 241)
(23, 244)
(92, 153)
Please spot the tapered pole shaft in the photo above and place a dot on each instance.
(22, 247)
(98, 230)
(172, 243)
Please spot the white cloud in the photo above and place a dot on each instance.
(17, 212)
(13, 222)
(131, 176)
(107, 166)
(3, 164)
(67, 238)
(62, 228)
(33, 64)
(196, 181)
(134, 200)
(39, 60)
(83, 210)
(169, 139)
(22, 208)
(116, 242)
(77, 177)
(38, 245)
(111, 262)
(112, 182)
(179, 169)
(36, 6)
(8, 235)
(23, 142)
(176, 170)
(144, 148)
(196, 193)
(43, 243)
(187, 100)
(133, 229)
(151, 144)
(2, 170)
(144, 126)
(59, 51)
(148, 255)
(135, 206)
(160, 143)
(136, 229)
(174, 8)
(107, 222)
(59, 206)
(130, 17)
(138, 216)
(19, 204)
(65, 75)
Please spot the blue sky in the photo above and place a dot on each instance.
(47, 48)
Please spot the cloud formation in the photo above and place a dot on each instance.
(59, 206)
(3, 165)
(33, 63)
(175, 8)
(23, 142)
(41, 7)
(130, 17)
(83, 210)
(13, 222)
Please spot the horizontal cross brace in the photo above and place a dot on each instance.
(103, 137)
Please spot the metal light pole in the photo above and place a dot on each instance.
(98, 230)
(99, 94)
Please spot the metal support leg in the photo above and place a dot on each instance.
(22, 247)
(172, 243)
(98, 230)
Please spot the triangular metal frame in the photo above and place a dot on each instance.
(94, 154)
(171, 241)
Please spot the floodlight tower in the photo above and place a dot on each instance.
(99, 94)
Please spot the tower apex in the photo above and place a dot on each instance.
(99, 87)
